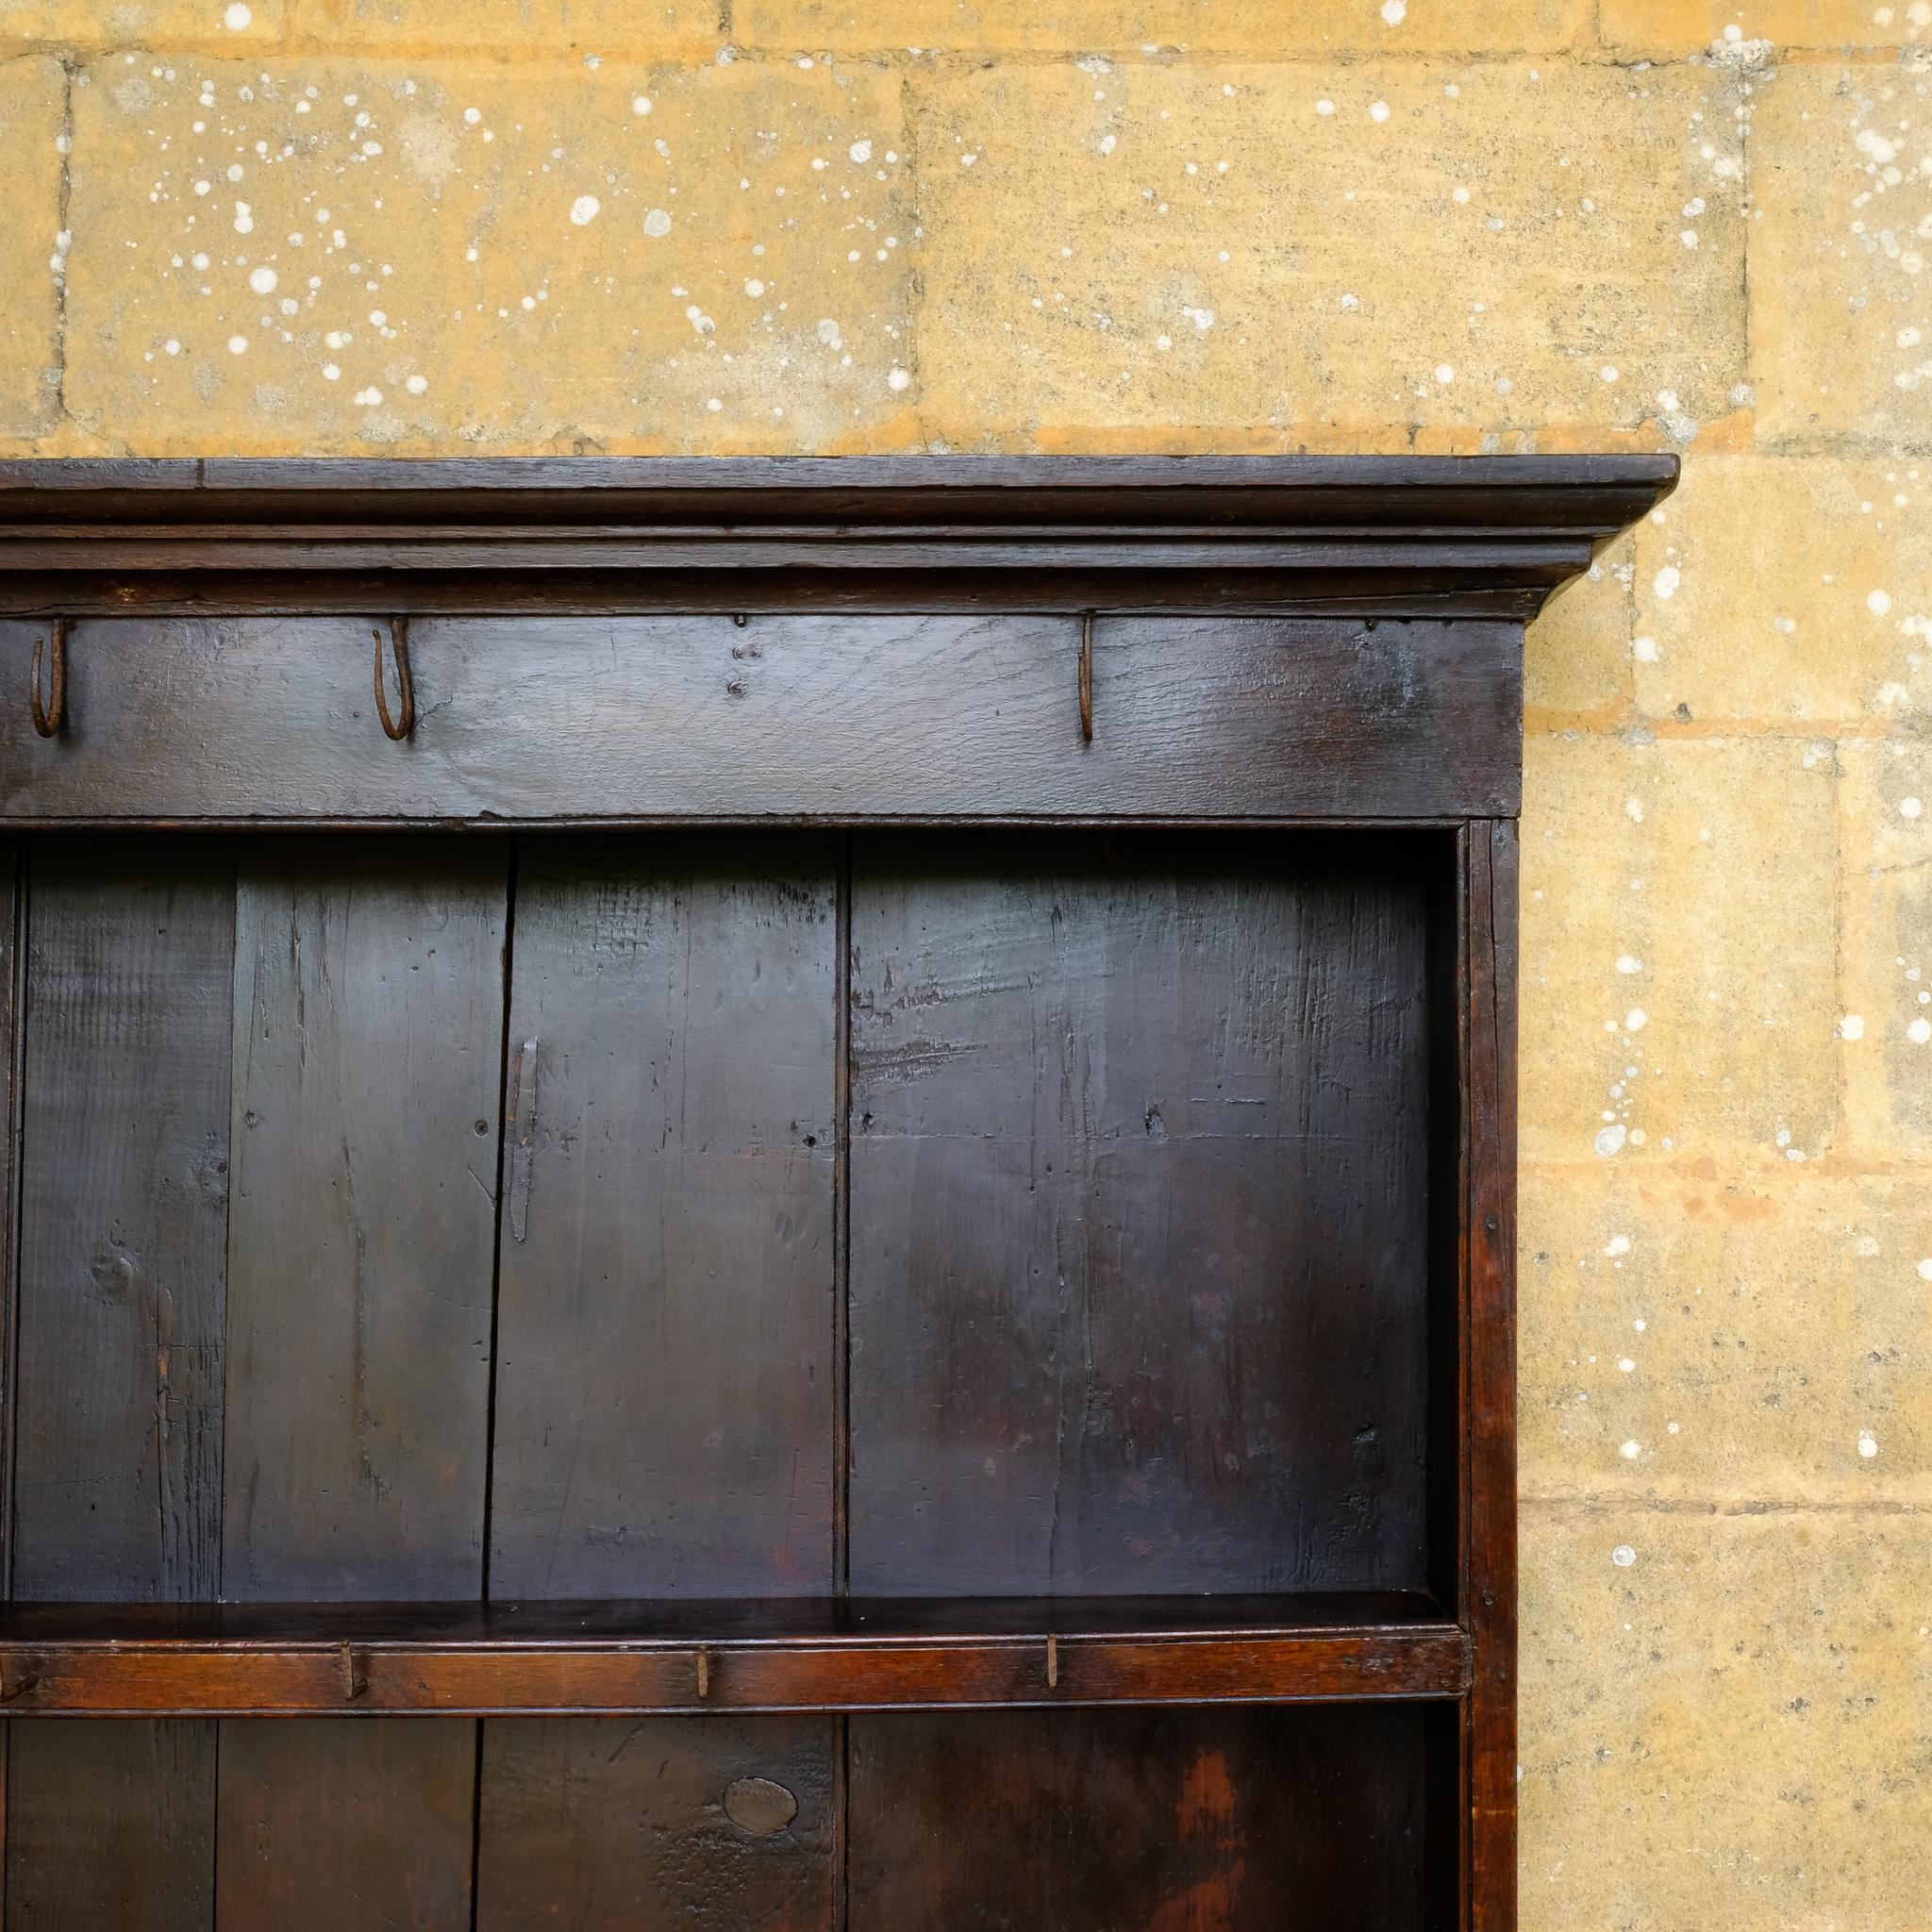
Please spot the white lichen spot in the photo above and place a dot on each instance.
(1395, 11)
(1378, 110)
(1878, 603)
(1202, 319)
(1633, 811)
(238, 18)
(1646, 651)
(238, 345)
(1622, 1555)
(263, 281)
(1629, 1452)
(1628, 963)
(1925, 1269)
(1617, 1244)
(640, 104)
(416, 385)
(1107, 143)
(1636, 1020)
(583, 210)
(899, 378)
(1610, 1140)
(1868, 1444)
(1325, 107)
(1919, 1031)
(369, 398)
(331, 372)
(657, 224)
(1852, 1027)
(1909, 807)
(860, 151)
(1445, 372)
(1664, 585)
(244, 219)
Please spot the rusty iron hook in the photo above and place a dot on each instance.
(397, 727)
(1087, 676)
(49, 717)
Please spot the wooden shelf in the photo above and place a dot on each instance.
(508, 1660)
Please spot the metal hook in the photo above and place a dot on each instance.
(48, 718)
(397, 728)
(1087, 676)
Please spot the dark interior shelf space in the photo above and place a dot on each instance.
(789, 1654)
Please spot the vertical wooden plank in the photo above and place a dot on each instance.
(1488, 1601)
(368, 1055)
(610, 1825)
(368, 1041)
(665, 1400)
(1094, 1821)
(112, 1826)
(351, 1824)
(12, 910)
(126, 987)
(125, 1195)
(1139, 1260)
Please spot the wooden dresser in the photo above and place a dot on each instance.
(764, 1194)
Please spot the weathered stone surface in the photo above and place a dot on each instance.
(1841, 305)
(214, 23)
(1725, 1720)
(1577, 654)
(593, 27)
(31, 113)
(320, 256)
(1667, 27)
(1265, 28)
(1770, 589)
(1885, 948)
(1727, 934)
(1713, 1331)
(1197, 249)
(1677, 993)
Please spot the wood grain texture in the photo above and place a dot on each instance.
(329, 1825)
(126, 986)
(664, 1392)
(1139, 1262)
(1415, 535)
(604, 1825)
(774, 1654)
(13, 915)
(802, 715)
(117, 1484)
(1100, 1821)
(1489, 1584)
(110, 1826)
(367, 1052)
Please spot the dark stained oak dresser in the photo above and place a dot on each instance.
(764, 1194)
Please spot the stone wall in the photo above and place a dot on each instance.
(437, 227)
